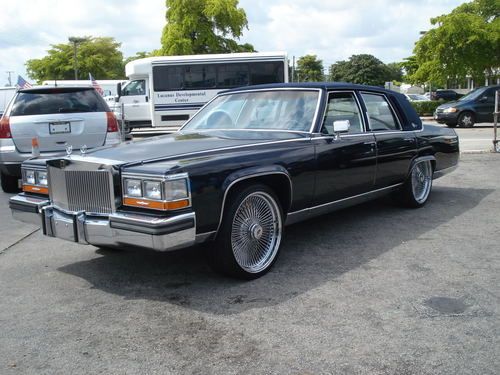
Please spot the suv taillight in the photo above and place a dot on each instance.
(5, 127)
(112, 122)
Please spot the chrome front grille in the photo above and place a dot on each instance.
(81, 190)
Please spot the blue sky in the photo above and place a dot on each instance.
(333, 30)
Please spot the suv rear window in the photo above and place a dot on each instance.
(57, 100)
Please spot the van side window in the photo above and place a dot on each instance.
(380, 114)
(342, 106)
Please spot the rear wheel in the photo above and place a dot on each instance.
(249, 239)
(417, 188)
(466, 120)
(9, 183)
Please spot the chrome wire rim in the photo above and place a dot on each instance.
(421, 178)
(256, 232)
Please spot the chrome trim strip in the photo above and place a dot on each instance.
(344, 199)
(442, 172)
(249, 130)
(246, 178)
(202, 237)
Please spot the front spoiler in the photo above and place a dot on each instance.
(114, 230)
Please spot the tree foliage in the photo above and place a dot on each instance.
(464, 43)
(203, 26)
(138, 55)
(309, 69)
(99, 56)
(365, 69)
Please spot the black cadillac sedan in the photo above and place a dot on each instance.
(247, 164)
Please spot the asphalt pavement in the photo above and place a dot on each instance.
(374, 289)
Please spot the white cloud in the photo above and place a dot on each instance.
(333, 30)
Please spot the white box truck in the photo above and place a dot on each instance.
(166, 90)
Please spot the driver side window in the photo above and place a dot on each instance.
(342, 106)
(137, 87)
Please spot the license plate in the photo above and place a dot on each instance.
(59, 127)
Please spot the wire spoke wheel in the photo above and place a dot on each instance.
(256, 232)
(421, 181)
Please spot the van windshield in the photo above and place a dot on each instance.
(57, 100)
(473, 95)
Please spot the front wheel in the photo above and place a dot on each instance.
(417, 188)
(466, 120)
(249, 239)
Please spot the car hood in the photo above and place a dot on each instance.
(449, 104)
(178, 145)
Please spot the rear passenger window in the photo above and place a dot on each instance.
(380, 113)
(342, 106)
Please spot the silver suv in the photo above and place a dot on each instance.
(52, 119)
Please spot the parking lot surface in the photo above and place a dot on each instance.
(374, 289)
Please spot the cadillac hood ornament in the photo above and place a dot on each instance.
(69, 150)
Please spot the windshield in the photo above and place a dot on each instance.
(269, 110)
(474, 94)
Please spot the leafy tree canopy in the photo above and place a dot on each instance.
(464, 43)
(203, 26)
(309, 69)
(138, 55)
(99, 56)
(365, 69)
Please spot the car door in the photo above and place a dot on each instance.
(345, 162)
(395, 147)
(135, 100)
(485, 106)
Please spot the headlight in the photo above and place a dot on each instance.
(133, 188)
(41, 178)
(30, 177)
(35, 181)
(450, 110)
(152, 190)
(162, 193)
(176, 189)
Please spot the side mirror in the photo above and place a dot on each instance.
(119, 89)
(341, 126)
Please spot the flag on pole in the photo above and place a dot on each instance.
(22, 83)
(95, 85)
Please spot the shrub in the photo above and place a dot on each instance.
(426, 108)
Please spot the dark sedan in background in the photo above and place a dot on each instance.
(248, 163)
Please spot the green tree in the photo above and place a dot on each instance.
(363, 69)
(395, 72)
(309, 69)
(464, 43)
(203, 26)
(137, 56)
(99, 56)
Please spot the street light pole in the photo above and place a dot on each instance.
(75, 40)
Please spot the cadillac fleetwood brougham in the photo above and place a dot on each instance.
(248, 163)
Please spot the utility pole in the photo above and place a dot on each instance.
(75, 40)
(9, 72)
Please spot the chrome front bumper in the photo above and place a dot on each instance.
(114, 230)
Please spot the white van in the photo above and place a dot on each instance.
(165, 91)
(6, 94)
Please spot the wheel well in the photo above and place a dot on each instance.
(278, 182)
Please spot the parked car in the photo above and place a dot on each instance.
(417, 98)
(57, 117)
(476, 106)
(445, 95)
(248, 163)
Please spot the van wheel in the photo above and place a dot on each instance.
(417, 188)
(466, 120)
(9, 183)
(249, 239)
